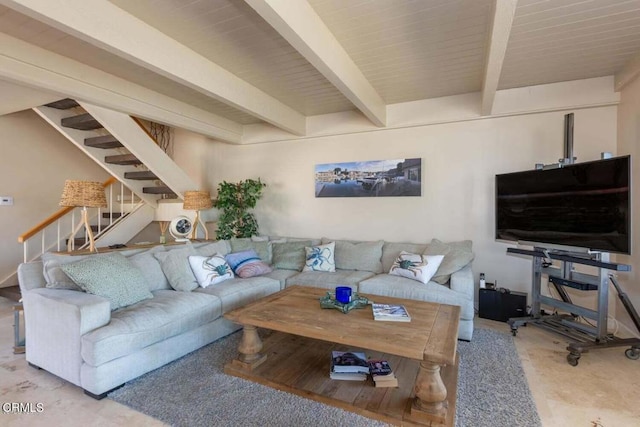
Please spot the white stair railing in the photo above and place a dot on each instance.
(55, 231)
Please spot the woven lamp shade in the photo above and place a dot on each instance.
(88, 194)
(197, 200)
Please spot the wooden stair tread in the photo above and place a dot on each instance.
(157, 190)
(140, 175)
(81, 122)
(122, 159)
(115, 215)
(106, 141)
(63, 104)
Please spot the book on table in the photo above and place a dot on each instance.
(390, 312)
(348, 376)
(349, 362)
(382, 373)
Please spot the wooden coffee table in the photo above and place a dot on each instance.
(296, 358)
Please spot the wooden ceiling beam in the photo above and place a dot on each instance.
(106, 26)
(504, 11)
(301, 26)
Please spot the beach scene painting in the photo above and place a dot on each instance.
(375, 178)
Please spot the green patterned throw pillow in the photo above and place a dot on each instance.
(111, 276)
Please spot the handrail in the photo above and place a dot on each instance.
(56, 216)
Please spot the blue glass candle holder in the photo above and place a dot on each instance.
(343, 294)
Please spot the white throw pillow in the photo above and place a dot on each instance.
(210, 270)
(320, 258)
(415, 266)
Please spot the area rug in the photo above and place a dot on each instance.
(194, 391)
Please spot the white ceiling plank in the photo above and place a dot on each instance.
(627, 74)
(24, 63)
(504, 11)
(108, 27)
(299, 24)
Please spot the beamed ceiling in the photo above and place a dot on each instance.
(222, 65)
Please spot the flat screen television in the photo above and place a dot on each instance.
(583, 205)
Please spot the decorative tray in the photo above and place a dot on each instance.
(357, 301)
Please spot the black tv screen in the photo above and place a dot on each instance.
(585, 205)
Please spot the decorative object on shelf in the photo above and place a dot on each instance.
(197, 201)
(357, 301)
(235, 199)
(84, 194)
(180, 227)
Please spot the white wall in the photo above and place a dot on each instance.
(629, 143)
(459, 163)
(35, 161)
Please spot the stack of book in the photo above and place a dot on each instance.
(390, 312)
(382, 373)
(347, 365)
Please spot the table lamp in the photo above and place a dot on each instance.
(197, 201)
(84, 194)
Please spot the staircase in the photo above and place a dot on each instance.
(125, 149)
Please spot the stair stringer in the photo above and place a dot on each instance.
(129, 226)
(54, 118)
(136, 140)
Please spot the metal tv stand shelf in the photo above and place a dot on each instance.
(587, 337)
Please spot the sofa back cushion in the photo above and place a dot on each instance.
(456, 256)
(261, 247)
(175, 266)
(391, 252)
(150, 267)
(360, 256)
(290, 255)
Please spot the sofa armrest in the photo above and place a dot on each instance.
(462, 281)
(55, 320)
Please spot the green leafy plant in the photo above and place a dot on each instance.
(235, 200)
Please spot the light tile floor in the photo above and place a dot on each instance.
(602, 391)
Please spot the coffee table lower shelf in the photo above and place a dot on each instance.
(300, 366)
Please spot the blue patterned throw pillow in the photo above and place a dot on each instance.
(320, 258)
(247, 264)
(210, 270)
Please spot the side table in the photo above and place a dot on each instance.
(19, 339)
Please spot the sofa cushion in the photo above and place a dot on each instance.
(456, 256)
(290, 255)
(221, 247)
(167, 314)
(326, 280)
(391, 251)
(234, 293)
(261, 247)
(210, 270)
(151, 269)
(175, 266)
(111, 276)
(416, 266)
(54, 275)
(320, 258)
(361, 256)
(400, 287)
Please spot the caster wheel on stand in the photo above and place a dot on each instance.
(632, 353)
(572, 359)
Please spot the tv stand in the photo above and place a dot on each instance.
(585, 337)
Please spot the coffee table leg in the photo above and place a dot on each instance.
(249, 349)
(430, 402)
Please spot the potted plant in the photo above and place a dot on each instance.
(235, 200)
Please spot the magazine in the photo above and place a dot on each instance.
(348, 361)
(382, 374)
(390, 312)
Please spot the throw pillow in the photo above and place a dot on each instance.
(210, 270)
(360, 256)
(290, 255)
(175, 265)
(320, 258)
(111, 276)
(456, 256)
(244, 244)
(247, 264)
(415, 266)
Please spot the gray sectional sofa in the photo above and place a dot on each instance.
(80, 337)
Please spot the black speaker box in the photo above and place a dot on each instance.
(501, 305)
